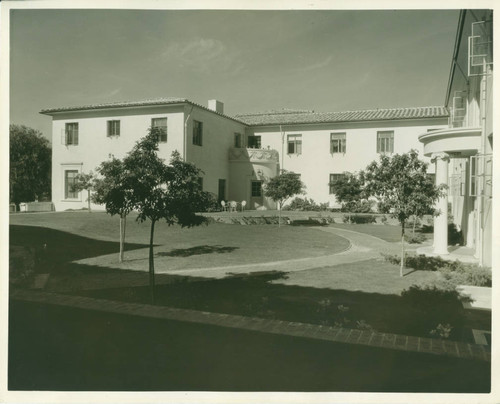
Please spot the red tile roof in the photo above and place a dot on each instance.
(288, 117)
(278, 117)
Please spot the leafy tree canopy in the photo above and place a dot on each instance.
(30, 164)
(283, 187)
(401, 185)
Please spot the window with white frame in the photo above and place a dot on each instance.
(337, 142)
(71, 134)
(197, 133)
(160, 123)
(385, 141)
(69, 182)
(113, 128)
(334, 178)
(294, 144)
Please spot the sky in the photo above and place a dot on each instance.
(252, 61)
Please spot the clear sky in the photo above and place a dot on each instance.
(250, 60)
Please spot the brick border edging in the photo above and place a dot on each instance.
(304, 330)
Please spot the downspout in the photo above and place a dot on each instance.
(282, 149)
(185, 134)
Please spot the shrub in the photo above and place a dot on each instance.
(458, 273)
(302, 204)
(453, 272)
(431, 306)
(359, 219)
(384, 219)
(364, 206)
(418, 262)
(416, 238)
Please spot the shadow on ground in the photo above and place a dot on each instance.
(56, 247)
(197, 250)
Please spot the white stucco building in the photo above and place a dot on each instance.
(462, 152)
(236, 153)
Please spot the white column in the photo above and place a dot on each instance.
(441, 221)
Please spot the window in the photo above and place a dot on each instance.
(237, 140)
(254, 142)
(256, 188)
(294, 144)
(71, 134)
(69, 181)
(337, 143)
(113, 128)
(334, 178)
(197, 133)
(385, 141)
(160, 123)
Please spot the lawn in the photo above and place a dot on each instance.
(77, 235)
(370, 289)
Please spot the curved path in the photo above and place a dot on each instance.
(363, 247)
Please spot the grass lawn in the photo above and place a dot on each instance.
(360, 286)
(76, 235)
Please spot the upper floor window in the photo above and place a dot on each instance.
(197, 133)
(385, 141)
(294, 144)
(160, 123)
(337, 142)
(334, 178)
(71, 134)
(113, 128)
(237, 140)
(254, 142)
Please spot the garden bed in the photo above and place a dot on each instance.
(417, 312)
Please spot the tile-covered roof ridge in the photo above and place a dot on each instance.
(273, 118)
(131, 104)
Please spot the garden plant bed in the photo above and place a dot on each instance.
(256, 296)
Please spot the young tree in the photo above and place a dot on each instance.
(159, 191)
(83, 182)
(401, 185)
(348, 190)
(113, 190)
(282, 187)
(30, 164)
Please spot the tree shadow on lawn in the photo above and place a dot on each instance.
(417, 313)
(54, 248)
(197, 250)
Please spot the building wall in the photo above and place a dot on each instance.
(94, 146)
(316, 163)
(212, 156)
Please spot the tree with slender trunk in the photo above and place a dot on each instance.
(402, 187)
(112, 189)
(159, 191)
(282, 187)
(84, 181)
